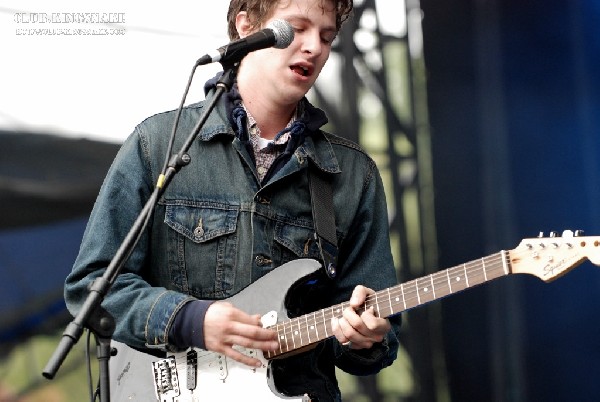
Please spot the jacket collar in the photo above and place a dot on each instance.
(315, 145)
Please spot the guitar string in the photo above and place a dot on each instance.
(290, 330)
(473, 270)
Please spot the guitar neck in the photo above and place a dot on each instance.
(304, 331)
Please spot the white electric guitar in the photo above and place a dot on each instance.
(199, 375)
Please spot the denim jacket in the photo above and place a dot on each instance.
(216, 229)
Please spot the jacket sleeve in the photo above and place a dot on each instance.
(366, 259)
(143, 313)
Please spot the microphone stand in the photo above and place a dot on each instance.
(91, 314)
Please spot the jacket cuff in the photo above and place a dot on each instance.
(187, 329)
(362, 356)
(372, 360)
(161, 316)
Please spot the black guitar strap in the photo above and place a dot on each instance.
(321, 195)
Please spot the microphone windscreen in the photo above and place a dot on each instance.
(283, 31)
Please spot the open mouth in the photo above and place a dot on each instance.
(301, 70)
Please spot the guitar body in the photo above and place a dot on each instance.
(199, 375)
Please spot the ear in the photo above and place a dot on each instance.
(242, 24)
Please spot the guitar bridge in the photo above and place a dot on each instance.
(166, 381)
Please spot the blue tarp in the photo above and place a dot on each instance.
(34, 262)
(47, 188)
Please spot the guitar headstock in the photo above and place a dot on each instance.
(551, 257)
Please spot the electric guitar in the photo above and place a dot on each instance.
(197, 375)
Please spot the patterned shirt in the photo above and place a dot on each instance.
(266, 151)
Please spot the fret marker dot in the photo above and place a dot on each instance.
(457, 278)
(295, 332)
(397, 299)
(426, 289)
(312, 327)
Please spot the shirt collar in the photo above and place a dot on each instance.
(254, 130)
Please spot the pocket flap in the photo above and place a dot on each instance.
(297, 239)
(202, 222)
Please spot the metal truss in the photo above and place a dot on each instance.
(379, 101)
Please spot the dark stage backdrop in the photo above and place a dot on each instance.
(514, 95)
(47, 188)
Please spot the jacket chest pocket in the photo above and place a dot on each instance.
(293, 242)
(202, 248)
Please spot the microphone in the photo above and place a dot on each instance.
(278, 34)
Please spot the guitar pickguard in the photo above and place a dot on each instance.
(199, 375)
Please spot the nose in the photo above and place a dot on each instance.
(312, 43)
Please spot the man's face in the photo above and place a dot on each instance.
(287, 74)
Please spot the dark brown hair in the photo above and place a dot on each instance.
(260, 10)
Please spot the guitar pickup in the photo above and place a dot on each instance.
(192, 369)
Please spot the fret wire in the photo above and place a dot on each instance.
(470, 270)
(307, 328)
(300, 332)
(470, 273)
(292, 334)
(465, 268)
(473, 272)
(505, 270)
(403, 295)
(483, 266)
(376, 307)
(421, 289)
(324, 323)
(287, 346)
(440, 283)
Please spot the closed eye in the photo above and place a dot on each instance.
(328, 40)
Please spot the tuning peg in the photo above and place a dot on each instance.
(554, 234)
(541, 234)
(578, 233)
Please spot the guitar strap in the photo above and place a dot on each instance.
(321, 196)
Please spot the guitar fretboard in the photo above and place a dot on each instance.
(303, 331)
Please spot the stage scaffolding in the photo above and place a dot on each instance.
(375, 94)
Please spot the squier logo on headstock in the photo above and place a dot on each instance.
(550, 257)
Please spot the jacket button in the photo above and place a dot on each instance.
(262, 200)
(261, 260)
(199, 230)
